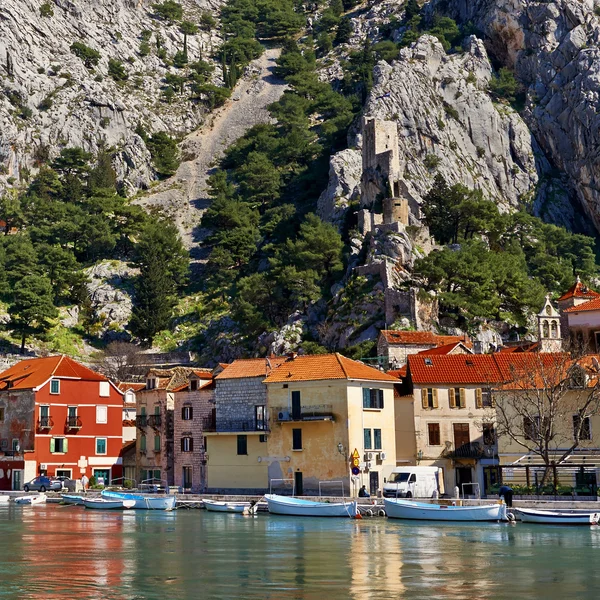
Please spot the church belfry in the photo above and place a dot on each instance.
(549, 328)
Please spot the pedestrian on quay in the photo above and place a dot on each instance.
(362, 493)
(506, 492)
(85, 482)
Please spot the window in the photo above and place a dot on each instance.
(457, 398)
(72, 411)
(1, 414)
(296, 406)
(489, 435)
(259, 415)
(377, 439)
(586, 428)
(104, 389)
(55, 386)
(151, 383)
(531, 427)
(434, 434)
(187, 444)
(372, 398)
(368, 441)
(262, 439)
(193, 385)
(483, 398)
(143, 443)
(187, 477)
(63, 473)
(59, 445)
(429, 398)
(100, 445)
(461, 435)
(242, 445)
(157, 443)
(296, 439)
(101, 414)
(15, 444)
(187, 413)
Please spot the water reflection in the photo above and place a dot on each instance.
(60, 552)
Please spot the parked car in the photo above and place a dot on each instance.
(42, 484)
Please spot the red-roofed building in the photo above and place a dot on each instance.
(395, 346)
(58, 417)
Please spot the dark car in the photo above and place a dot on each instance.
(42, 484)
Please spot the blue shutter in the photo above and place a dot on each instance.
(366, 398)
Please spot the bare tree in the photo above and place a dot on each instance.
(122, 361)
(546, 401)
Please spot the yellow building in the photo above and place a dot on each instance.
(325, 410)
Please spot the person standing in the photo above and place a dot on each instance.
(85, 482)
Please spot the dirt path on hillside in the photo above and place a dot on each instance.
(183, 197)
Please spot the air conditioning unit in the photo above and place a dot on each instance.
(368, 464)
(382, 456)
(43, 467)
(368, 456)
(283, 415)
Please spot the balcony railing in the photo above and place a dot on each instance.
(473, 450)
(73, 423)
(316, 412)
(155, 420)
(45, 423)
(141, 421)
(232, 426)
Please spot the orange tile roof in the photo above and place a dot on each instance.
(250, 367)
(32, 373)
(398, 373)
(445, 349)
(453, 369)
(579, 290)
(586, 306)
(204, 384)
(203, 373)
(317, 367)
(526, 347)
(136, 387)
(421, 338)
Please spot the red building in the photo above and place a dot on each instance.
(58, 417)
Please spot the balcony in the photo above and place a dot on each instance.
(155, 421)
(73, 423)
(141, 421)
(45, 423)
(473, 450)
(234, 426)
(316, 412)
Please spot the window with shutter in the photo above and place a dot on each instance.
(366, 397)
(452, 398)
(65, 445)
(157, 443)
(242, 444)
(143, 443)
(52, 444)
(478, 398)
(367, 435)
(434, 398)
(377, 439)
(434, 434)
(462, 395)
(424, 402)
(296, 439)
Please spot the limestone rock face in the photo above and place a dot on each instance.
(554, 48)
(49, 99)
(448, 124)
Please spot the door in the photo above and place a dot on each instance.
(463, 475)
(102, 476)
(296, 408)
(259, 412)
(373, 482)
(17, 479)
(490, 478)
(461, 436)
(298, 483)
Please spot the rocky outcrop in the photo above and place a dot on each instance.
(554, 49)
(448, 124)
(51, 100)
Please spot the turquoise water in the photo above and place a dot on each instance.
(69, 552)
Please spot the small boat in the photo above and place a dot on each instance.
(284, 505)
(143, 501)
(4, 498)
(555, 517)
(229, 507)
(31, 499)
(407, 509)
(103, 504)
(72, 499)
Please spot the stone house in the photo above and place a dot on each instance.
(236, 433)
(155, 404)
(129, 391)
(194, 406)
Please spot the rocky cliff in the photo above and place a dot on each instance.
(51, 100)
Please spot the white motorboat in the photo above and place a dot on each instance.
(284, 505)
(72, 499)
(31, 499)
(228, 507)
(143, 501)
(4, 498)
(103, 504)
(407, 509)
(555, 517)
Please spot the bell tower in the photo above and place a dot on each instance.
(549, 328)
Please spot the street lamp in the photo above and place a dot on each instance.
(419, 456)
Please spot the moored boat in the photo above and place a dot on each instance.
(555, 517)
(407, 509)
(143, 501)
(284, 505)
(229, 507)
(72, 499)
(31, 499)
(104, 504)
(4, 498)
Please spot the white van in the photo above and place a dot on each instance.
(413, 482)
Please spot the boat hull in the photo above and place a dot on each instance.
(282, 505)
(71, 499)
(550, 517)
(31, 500)
(4, 499)
(102, 504)
(405, 509)
(142, 501)
(228, 507)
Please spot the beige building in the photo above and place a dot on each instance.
(325, 410)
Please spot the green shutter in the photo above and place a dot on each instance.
(143, 443)
(366, 398)
(52, 444)
(65, 445)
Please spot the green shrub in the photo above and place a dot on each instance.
(144, 49)
(165, 154)
(431, 161)
(46, 10)
(504, 86)
(116, 70)
(169, 11)
(207, 21)
(450, 111)
(89, 56)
